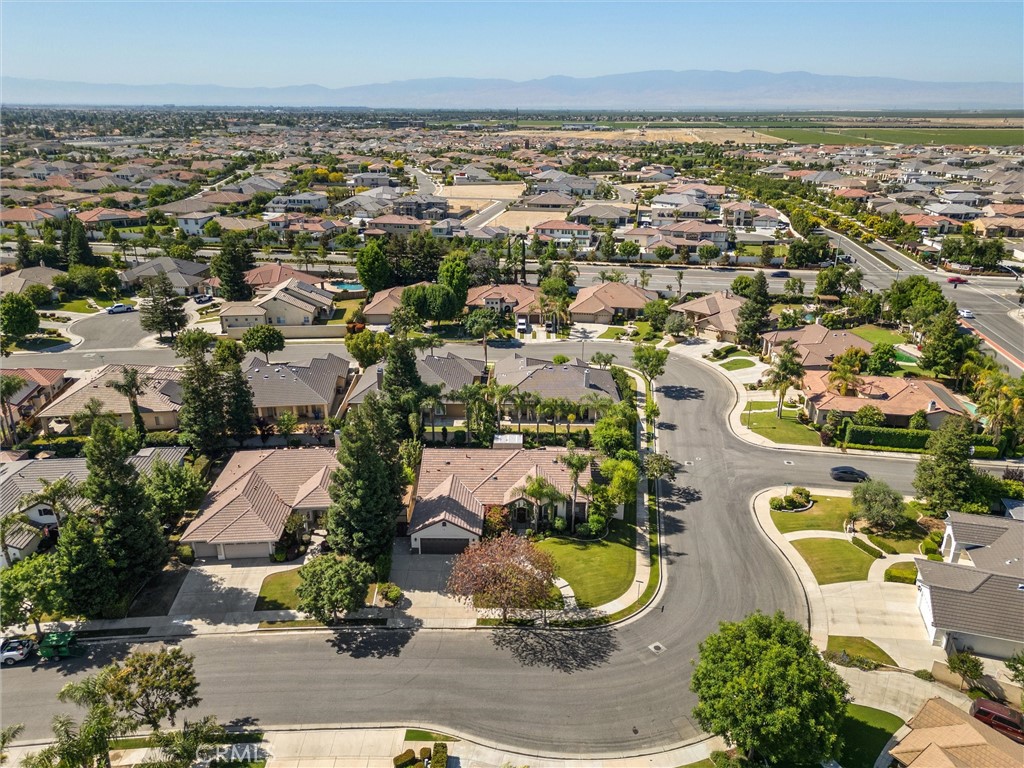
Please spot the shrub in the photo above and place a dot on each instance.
(929, 547)
(161, 439)
(978, 693)
(186, 554)
(583, 529)
(882, 544)
(460, 437)
(986, 452)
(846, 660)
(390, 593)
(827, 433)
(382, 566)
(559, 524)
(802, 495)
(202, 466)
(936, 557)
(974, 508)
(598, 524)
(439, 759)
(777, 504)
(937, 537)
(407, 758)
(425, 754)
(924, 674)
(865, 547)
(901, 577)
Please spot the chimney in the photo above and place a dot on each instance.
(586, 378)
(932, 406)
(380, 376)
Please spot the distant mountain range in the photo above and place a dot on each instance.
(749, 90)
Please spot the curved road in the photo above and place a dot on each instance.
(599, 691)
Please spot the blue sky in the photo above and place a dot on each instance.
(342, 43)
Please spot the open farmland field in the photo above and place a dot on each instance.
(995, 137)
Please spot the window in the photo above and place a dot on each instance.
(156, 420)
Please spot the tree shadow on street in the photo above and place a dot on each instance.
(562, 651)
(672, 505)
(372, 644)
(681, 392)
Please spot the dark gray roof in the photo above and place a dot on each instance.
(313, 381)
(979, 530)
(970, 601)
(448, 370)
(166, 265)
(572, 380)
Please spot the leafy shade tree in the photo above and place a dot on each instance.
(967, 665)
(869, 416)
(131, 386)
(151, 686)
(373, 269)
(29, 591)
(286, 424)
(882, 360)
(230, 264)
(785, 372)
(331, 584)
(664, 253)
(879, 504)
(454, 273)
(659, 466)
(131, 533)
(656, 312)
(762, 686)
(919, 420)
(84, 569)
(367, 347)
(678, 324)
(602, 359)
(944, 476)
(18, 319)
(1015, 666)
(367, 488)
(482, 323)
(649, 361)
(629, 250)
(508, 573)
(944, 347)
(742, 285)
(708, 254)
(163, 312)
(753, 315)
(263, 338)
(172, 488)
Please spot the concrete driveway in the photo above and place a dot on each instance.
(423, 579)
(214, 588)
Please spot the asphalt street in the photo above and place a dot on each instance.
(598, 691)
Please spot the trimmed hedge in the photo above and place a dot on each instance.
(62, 447)
(161, 439)
(882, 544)
(986, 452)
(865, 547)
(901, 577)
(929, 547)
(440, 755)
(406, 758)
(904, 439)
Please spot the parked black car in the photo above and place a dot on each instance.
(848, 474)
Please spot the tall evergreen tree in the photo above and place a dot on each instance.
(944, 346)
(200, 419)
(230, 264)
(367, 488)
(83, 568)
(161, 313)
(944, 477)
(402, 386)
(753, 315)
(235, 392)
(131, 535)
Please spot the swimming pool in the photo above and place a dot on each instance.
(342, 286)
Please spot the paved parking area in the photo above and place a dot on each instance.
(218, 587)
(422, 579)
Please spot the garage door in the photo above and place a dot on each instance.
(237, 551)
(205, 550)
(442, 546)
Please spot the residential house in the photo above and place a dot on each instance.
(696, 233)
(187, 277)
(572, 381)
(101, 218)
(954, 211)
(472, 174)
(266, 276)
(548, 201)
(290, 303)
(977, 606)
(391, 224)
(372, 180)
(604, 302)
(41, 386)
(564, 232)
(299, 201)
(925, 224)
(715, 316)
(455, 488)
(312, 388)
(159, 402)
(426, 207)
(22, 478)
(898, 399)
(601, 215)
(508, 298)
(818, 346)
(192, 223)
(562, 183)
(244, 514)
(942, 735)
(378, 310)
(20, 279)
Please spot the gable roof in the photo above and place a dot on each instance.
(451, 502)
(573, 380)
(274, 274)
(943, 735)
(258, 490)
(385, 302)
(972, 601)
(891, 395)
(607, 297)
(312, 381)
(161, 392)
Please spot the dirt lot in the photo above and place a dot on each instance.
(520, 221)
(671, 135)
(474, 194)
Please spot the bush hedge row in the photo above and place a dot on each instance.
(882, 544)
(865, 547)
(912, 440)
(929, 547)
(901, 577)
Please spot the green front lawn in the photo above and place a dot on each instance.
(416, 734)
(37, 343)
(784, 430)
(834, 560)
(865, 733)
(906, 537)
(277, 593)
(612, 333)
(876, 335)
(598, 571)
(859, 646)
(737, 364)
(827, 514)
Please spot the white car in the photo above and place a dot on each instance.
(522, 325)
(13, 650)
(118, 309)
(966, 313)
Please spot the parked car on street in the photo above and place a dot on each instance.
(965, 313)
(956, 280)
(779, 273)
(118, 309)
(15, 649)
(848, 474)
(999, 717)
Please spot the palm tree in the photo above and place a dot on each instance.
(10, 385)
(786, 371)
(183, 748)
(91, 412)
(538, 490)
(1000, 399)
(521, 401)
(576, 462)
(499, 394)
(599, 404)
(469, 395)
(843, 377)
(86, 745)
(430, 402)
(131, 386)
(7, 735)
(8, 523)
